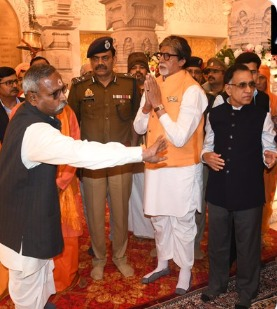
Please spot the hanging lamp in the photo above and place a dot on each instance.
(31, 39)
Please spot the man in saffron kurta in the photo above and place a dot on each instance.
(173, 105)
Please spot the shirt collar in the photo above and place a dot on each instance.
(8, 110)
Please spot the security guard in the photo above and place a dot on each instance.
(105, 105)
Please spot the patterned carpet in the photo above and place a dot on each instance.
(118, 292)
(267, 294)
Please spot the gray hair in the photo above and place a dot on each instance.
(33, 76)
(179, 44)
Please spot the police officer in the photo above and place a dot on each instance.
(215, 70)
(105, 106)
(194, 67)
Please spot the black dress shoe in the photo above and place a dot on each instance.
(156, 276)
(207, 297)
(180, 291)
(50, 306)
(238, 306)
(90, 251)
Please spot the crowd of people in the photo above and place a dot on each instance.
(163, 152)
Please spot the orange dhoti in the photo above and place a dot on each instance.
(66, 264)
(270, 179)
(4, 279)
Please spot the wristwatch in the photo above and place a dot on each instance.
(158, 108)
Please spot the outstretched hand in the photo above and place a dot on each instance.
(155, 153)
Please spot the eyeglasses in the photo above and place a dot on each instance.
(56, 94)
(10, 82)
(166, 56)
(195, 72)
(214, 71)
(244, 85)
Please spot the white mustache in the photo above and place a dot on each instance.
(61, 106)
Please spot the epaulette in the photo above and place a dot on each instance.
(125, 75)
(80, 79)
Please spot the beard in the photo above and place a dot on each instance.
(163, 70)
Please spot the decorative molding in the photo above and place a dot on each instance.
(196, 12)
(122, 13)
(87, 8)
(227, 6)
(133, 23)
(21, 9)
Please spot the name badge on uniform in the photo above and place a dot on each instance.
(172, 99)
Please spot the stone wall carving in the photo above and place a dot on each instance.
(76, 16)
(250, 22)
(199, 11)
(87, 7)
(133, 23)
(122, 13)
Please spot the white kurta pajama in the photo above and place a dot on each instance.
(172, 194)
(30, 279)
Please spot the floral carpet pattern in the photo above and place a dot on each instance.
(118, 292)
(267, 294)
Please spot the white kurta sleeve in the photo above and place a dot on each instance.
(208, 145)
(141, 120)
(44, 144)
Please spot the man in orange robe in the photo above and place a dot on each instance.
(66, 264)
(270, 175)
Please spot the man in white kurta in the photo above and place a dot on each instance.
(36, 143)
(173, 105)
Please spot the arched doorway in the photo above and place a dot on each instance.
(9, 36)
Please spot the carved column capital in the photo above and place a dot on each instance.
(124, 13)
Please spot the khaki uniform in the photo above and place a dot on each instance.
(106, 115)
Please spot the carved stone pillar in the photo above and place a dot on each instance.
(134, 25)
(60, 37)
